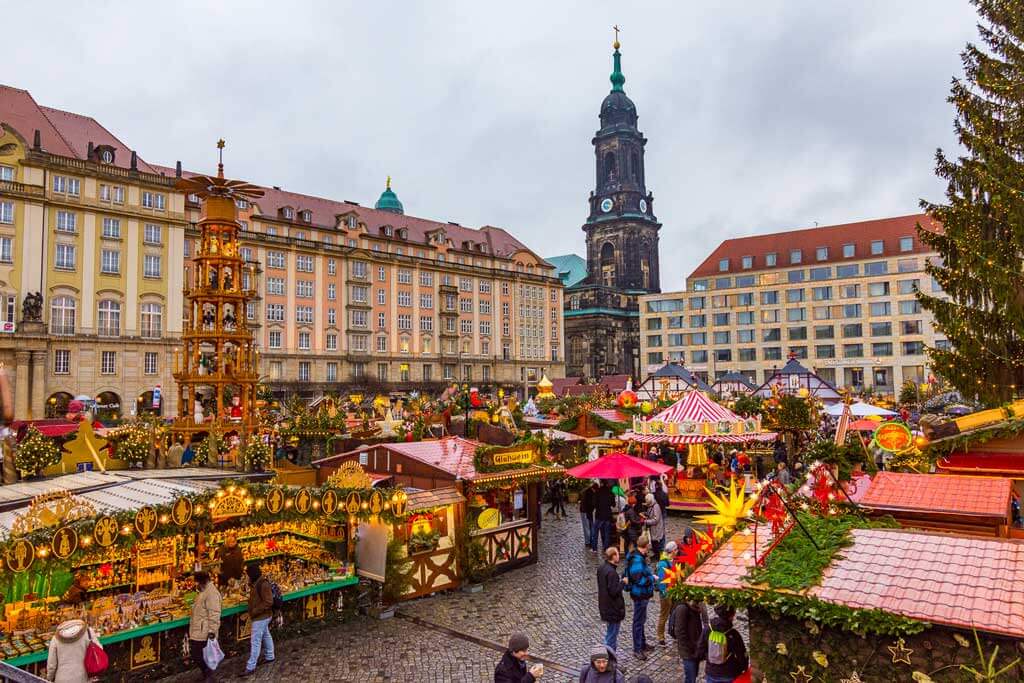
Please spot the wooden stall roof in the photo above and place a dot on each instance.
(568, 437)
(452, 454)
(939, 494)
(424, 500)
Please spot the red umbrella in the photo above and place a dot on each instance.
(864, 425)
(618, 466)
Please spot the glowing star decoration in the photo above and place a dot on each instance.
(728, 511)
(691, 549)
(673, 575)
(900, 652)
(389, 425)
(854, 678)
(800, 675)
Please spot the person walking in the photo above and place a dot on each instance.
(654, 520)
(602, 667)
(261, 610)
(641, 590)
(689, 620)
(723, 649)
(782, 474)
(665, 561)
(512, 668)
(610, 603)
(661, 495)
(634, 522)
(66, 660)
(604, 501)
(204, 623)
(557, 495)
(588, 503)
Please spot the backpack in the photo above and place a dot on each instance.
(641, 583)
(96, 660)
(718, 647)
(275, 590)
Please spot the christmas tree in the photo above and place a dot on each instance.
(981, 238)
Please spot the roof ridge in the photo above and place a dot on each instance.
(824, 227)
(50, 121)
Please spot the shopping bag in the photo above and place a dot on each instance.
(96, 661)
(212, 654)
(744, 677)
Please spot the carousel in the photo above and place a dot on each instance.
(690, 425)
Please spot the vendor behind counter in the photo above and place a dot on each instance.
(232, 561)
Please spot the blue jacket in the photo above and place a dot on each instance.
(664, 563)
(641, 580)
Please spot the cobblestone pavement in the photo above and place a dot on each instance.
(459, 636)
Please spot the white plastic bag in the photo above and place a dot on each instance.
(212, 654)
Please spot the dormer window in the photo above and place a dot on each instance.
(307, 216)
(242, 204)
(387, 230)
(107, 156)
(104, 153)
(403, 233)
(193, 198)
(288, 212)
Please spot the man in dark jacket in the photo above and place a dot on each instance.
(602, 668)
(588, 502)
(688, 620)
(261, 609)
(610, 603)
(735, 660)
(641, 590)
(232, 561)
(604, 501)
(512, 666)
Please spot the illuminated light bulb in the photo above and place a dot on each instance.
(316, 504)
(212, 505)
(231, 489)
(86, 540)
(164, 519)
(288, 503)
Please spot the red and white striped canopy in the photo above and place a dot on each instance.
(682, 439)
(696, 407)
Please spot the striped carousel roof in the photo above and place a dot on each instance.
(681, 439)
(695, 406)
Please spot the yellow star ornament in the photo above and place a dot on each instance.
(900, 652)
(800, 676)
(728, 511)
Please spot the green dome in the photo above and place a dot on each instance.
(389, 200)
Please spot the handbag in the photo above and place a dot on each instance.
(212, 654)
(96, 661)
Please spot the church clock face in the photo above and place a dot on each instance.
(643, 206)
(606, 204)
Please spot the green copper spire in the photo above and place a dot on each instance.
(617, 78)
(389, 200)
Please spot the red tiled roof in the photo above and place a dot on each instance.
(948, 493)
(982, 462)
(613, 415)
(614, 383)
(860, 234)
(451, 454)
(559, 385)
(61, 132)
(726, 567)
(582, 389)
(958, 581)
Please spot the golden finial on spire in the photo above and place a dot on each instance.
(220, 159)
(389, 183)
(616, 43)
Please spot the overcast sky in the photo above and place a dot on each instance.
(760, 116)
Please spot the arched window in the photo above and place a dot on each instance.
(152, 320)
(62, 315)
(609, 166)
(608, 264)
(108, 323)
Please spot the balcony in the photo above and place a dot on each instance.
(62, 330)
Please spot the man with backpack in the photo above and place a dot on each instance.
(687, 625)
(723, 648)
(641, 589)
(261, 610)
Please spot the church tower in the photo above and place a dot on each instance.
(621, 229)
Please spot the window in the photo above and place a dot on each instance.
(851, 310)
(110, 262)
(821, 253)
(794, 276)
(332, 292)
(772, 352)
(304, 371)
(699, 356)
(405, 321)
(466, 326)
(359, 294)
(721, 337)
(304, 339)
(723, 355)
(109, 319)
(723, 265)
(910, 326)
(796, 314)
(359, 269)
(853, 350)
(794, 296)
(465, 284)
(769, 298)
(798, 351)
(304, 264)
(382, 344)
(742, 318)
(907, 286)
(822, 312)
(878, 289)
(877, 247)
(745, 299)
(304, 289)
(881, 349)
(907, 265)
(943, 344)
(404, 299)
(357, 319)
(723, 283)
(66, 221)
(797, 333)
(152, 320)
(821, 293)
(274, 339)
(304, 315)
(381, 321)
(62, 315)
(913, 348)
(771, 259)
(880, 308)
(719, 319)
(882, 329)
(404, 276)
(848, 270)
(332, 316)
(152, 200)
(850, 291)
(906, 244)
(112, 228)
(108, 362)
(695, 321)
(275, 259)
(771, 316)
(7, 212)
(698, 338)
(7, 250)
(910, 307)
(426, 323)
(151, 234)
(504, 288)
(796, 256)
(245, 253)
(876, 268)
(821, 273)
(771, 334)
(748, 355)
(150, 363)
(275, 312)
(151, 266)
(853, 330)
(275, 285)
(426, 300)
(824, 332)
(6, 173)
(849, 251)
(332, 371)
(66, 185)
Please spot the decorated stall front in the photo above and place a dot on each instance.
(123, 557)
(693, 423)
(794, 379)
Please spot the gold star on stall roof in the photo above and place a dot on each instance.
(800, 675)
(900, 652)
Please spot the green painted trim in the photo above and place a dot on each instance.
(162, 626)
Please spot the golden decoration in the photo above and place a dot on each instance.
(315, 606)
(350, 475)
(181, 513)
(86, 446)
(303, 501)
(329, 501)
(398, 503)
(104, 532)
(376, 502)
(65, 542)
(900, 652)
(854, 678)
(820, 658)
(145, 651)
(243, 627)
(275, 501)
(145, 521)
(800, 675)
(51, 509)
(229, 505)
(353, 503)
(21, 555)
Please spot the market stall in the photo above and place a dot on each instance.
(122, 557)
(694, 422)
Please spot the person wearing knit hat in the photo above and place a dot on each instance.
(665, 561)
(512, 668)
(602, 667)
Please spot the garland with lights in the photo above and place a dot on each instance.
(132, 444)
(35, 452)
(202, 449)
(256, 454)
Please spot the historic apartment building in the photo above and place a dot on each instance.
(601, 310)
(351, 295)
(841, 298)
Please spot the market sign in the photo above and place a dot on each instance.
(145, 652)
(105, 531)
(20, 555)
(508, 458)
(65, 542)
(893, 437)
(181, 513)
(145, 521)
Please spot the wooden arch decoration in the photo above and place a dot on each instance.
(350, 476)
(52, 509)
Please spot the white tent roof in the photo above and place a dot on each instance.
(858, 409)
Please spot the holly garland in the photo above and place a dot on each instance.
(35, 452)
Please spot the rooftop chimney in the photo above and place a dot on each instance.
(88, 154)
(37, 140)
(135, 160)
(177, 170)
